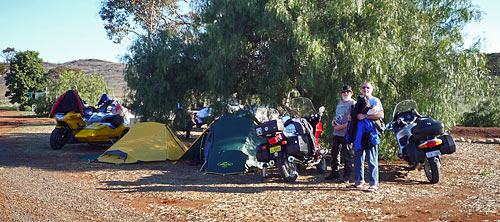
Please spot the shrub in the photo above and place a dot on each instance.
(486, 114)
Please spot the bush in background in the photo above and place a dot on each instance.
(486, 114)
(89, 88)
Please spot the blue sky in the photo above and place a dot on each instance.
(66, 30)
(60, 30)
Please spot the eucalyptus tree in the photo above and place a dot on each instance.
(245, 50)
(162, 74)
(142, 18)
(407, 49)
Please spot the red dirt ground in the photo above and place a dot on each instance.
(475, 132)
(11, 119)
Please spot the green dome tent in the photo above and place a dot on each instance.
(228, 146)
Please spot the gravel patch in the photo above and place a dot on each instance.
(39, 184)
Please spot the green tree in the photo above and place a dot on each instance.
(143, 18)
(161, 74)
(26, 74)
(89, 88)
(243, 54)
(408, 49)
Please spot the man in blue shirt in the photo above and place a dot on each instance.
(376, 112)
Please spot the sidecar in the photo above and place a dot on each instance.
(110, 128)
(77, 123)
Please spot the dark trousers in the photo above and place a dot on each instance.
(341, 147)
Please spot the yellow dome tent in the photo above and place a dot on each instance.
(147, 141)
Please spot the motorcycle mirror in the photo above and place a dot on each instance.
(321, 110)
(388, 126)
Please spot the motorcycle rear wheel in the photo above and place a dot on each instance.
(287, 169)
(432, 168)
(57, 138)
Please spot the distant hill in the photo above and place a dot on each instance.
(112, 72)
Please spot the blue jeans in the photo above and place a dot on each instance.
(359, 160)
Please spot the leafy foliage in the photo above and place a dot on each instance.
(89, 88)
(122, 17)
(407, 49)
(26, 74)
(263, 51)
(487, 112)
(161, 74)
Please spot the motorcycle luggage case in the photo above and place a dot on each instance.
(297, 145)
(269, 127)
(427, 127)
(263, 155)
(414, 154)
(448, 145)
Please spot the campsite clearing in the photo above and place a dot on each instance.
(40, 184)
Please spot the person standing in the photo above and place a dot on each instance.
(339, 146)
(368, 150)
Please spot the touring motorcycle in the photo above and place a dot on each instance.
(77, 123)
(420, 138)
(291, 141)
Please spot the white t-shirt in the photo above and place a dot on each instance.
(376, 106)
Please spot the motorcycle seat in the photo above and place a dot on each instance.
(115, 120)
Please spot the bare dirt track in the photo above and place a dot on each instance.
(39, 184)
(476, 132)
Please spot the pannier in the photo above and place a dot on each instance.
(297, 145)
(413, 153)
(263, 154)
(448, 145)
(269, 127)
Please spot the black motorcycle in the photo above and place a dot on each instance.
(420, 138)
(291, 142)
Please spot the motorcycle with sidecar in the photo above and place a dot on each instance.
(76, 123)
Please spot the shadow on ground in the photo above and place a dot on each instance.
(32, 149)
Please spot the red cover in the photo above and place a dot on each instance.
(69, 101)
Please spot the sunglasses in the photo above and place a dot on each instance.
(365, 87)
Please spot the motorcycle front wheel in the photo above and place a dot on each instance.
(57, 138)
(321, 166)
(287, 169)
(432, 169)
